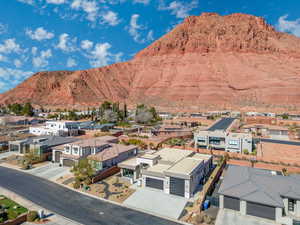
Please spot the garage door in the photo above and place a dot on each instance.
(231, 203)
(57, 156)
(259, 210)
(68, 162)
(154, 183)
(176, 186)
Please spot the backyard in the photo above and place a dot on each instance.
(9, 209)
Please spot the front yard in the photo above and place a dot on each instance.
(112, 188)
(9, 209)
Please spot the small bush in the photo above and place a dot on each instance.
(207, 219)
(32, 216)
(76, 184)
(12, 214)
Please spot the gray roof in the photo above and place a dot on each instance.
(222, 124)
(50, 141)
(259, 186)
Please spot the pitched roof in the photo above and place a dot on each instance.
(260, 186)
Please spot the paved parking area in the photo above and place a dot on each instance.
(50, 171)
(156, 202)
(230, 217)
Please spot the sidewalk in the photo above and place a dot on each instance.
(54, 219)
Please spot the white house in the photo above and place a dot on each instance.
(174, 171)
(56, 128)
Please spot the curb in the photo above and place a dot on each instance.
(38, 206)
(125, 206)
(102, 199)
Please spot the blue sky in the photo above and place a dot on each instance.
(39, 35)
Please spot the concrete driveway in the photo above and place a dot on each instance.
(230, 217)
(6, 154)
(156, 202)
(50, 171)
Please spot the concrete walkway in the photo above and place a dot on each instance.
(6, 154)
(156, 202)
(230, 217)
(54, 219)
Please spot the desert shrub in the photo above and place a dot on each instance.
(199, 219)
(32, 216)
(76, 184)
(207, 219)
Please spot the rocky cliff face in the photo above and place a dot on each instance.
(209, 61)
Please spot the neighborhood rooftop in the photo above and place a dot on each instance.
(112, 151)
(187, 165)
(259, 186)
(94, 141)
(222, 124)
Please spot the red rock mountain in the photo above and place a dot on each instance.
(210, 60)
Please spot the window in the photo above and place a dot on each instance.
(75, 150)
(67, 149)
(128, 173)
(233, 142)
(291, 205)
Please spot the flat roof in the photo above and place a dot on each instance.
(239, 135)
(222, 124)
(259, 186)
(149, 156)
(129, 163)
(187, 165)
(172, 155)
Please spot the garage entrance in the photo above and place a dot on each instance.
(231, 203)
(154, 183)
(57, 156)
(68, 162)
(177, 186)
(260, 210)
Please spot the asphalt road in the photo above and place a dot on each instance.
(71, 204)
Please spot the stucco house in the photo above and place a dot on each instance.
(174, 171)
(261, 193)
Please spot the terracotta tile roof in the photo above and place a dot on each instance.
(113, 151)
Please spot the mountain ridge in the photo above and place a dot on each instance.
(231, 61)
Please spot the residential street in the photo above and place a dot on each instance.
(73, 205)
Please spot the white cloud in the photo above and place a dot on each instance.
(135, 27)
(71, 62)
(86, 44)
(178, 8)
(57, 2)
(135, 30)
(145, 2)
(39, 34)
(101, 56)
(150, 36)
(65, 43)
(3, 28)
(13, 74)
(111, 18)
(3, 58)
(9, 77)
(18, 63)
(89, 7)
(30, 2)
(10, 46)
(42, 60)
(290, 26)
(34, 50)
